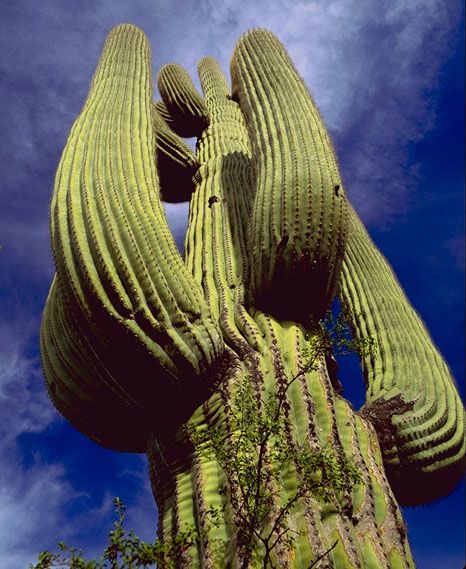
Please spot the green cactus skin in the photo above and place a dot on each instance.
(181, 103)
(299, 220)
(176, 162)
(412, 401)
(117, 264)
(89, 398)
(159, 341)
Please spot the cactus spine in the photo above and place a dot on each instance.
(137, 342)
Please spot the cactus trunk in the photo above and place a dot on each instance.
(145, 350)
(365, 523)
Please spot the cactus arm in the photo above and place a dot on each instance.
(411, 396)
(82, 387)
(106, 206)
(162, 110)
(181, 102)
(176, 162)
(299, 218)
(116, 259)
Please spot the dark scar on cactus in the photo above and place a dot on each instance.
(212, 200)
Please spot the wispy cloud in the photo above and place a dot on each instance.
(27, 494)
(39, 503)
(25, 408)
(32, 510)
(372, 68)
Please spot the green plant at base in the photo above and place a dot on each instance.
(124, 550)
(137, 342)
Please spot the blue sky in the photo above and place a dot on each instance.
(388, 78)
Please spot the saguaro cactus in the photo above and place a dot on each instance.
(137, 341)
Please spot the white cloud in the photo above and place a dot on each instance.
(31, 498)
(23, 403)
(31, 510)
(372, 68)
(36, 493)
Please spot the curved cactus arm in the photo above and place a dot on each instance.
(299, 218)
(176, 162)
(182, 105)
(411, 396)
(82, 384)
(162, 110)
(116, 259)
